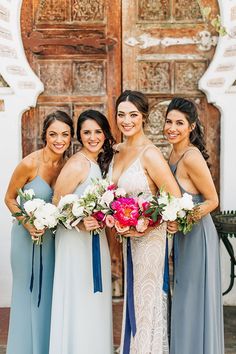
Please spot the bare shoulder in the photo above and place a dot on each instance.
(194, 159)
(152, 152)
(76, 162)
(29, 163)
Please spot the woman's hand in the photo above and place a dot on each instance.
(90, 223)
(34, 233)
(132, 233)
(172, 227)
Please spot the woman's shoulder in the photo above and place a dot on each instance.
(151, 151)
(193, 158)
(31, 161)
(76, 162)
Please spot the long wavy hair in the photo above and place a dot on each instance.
(105, 156)
(189, 109)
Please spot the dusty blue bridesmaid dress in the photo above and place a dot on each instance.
(197, 312)
(29, 323)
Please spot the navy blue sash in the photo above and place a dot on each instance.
(96, 258)
(130, 322)
(40, 272)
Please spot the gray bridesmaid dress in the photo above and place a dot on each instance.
(29, 327)
(197, 312)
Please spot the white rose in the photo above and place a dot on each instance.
(181, 214)
(163, 198)
(77, 209)
(186, 202)
(107, 198)
(31, 205)
(29, 192)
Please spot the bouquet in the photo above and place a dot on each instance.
(73, 209)
(36, 212)
(171, 208)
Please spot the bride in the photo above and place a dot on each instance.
(139, 166)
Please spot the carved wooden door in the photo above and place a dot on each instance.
(167, 46)
(74, 47)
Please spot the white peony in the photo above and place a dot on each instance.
(67, 199)
(170, 210)
(46, 215)
(186, 202)
(31, 205)
(107, 198)
(38, 225)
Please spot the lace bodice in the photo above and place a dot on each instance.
(134, 180)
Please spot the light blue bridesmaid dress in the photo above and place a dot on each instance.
(81, 319)
(29, 323)
(197, 312)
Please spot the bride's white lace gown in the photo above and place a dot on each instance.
(148, 255)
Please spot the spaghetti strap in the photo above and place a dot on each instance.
(87, 158)
(144, 149)
(177, 162)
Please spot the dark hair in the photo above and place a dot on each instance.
(189, 109)
(138, 99)
(51, 118)
(105, 156)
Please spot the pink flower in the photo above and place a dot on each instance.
(112, 187)
(142, 224)
(120, 228)
(110, 221)
(126, 211)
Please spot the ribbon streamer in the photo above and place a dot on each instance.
(40, 272)
(130, 321)
(96, 258)
(166, 276)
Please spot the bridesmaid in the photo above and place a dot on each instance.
(139, 166)
(197, 299)
(30, 321)
(81, 318)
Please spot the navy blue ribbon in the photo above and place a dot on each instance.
(40, 272)
(96, 255)
(166, 276)
(130, 322)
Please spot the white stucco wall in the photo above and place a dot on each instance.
(26, 87)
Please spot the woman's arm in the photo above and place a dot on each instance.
(22, 174)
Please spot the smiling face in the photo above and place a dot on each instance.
(58, 137)
(92, 137)
(177, 128)
(129, 119)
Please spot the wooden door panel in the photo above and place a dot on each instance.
(167, 47)
(74, 46)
